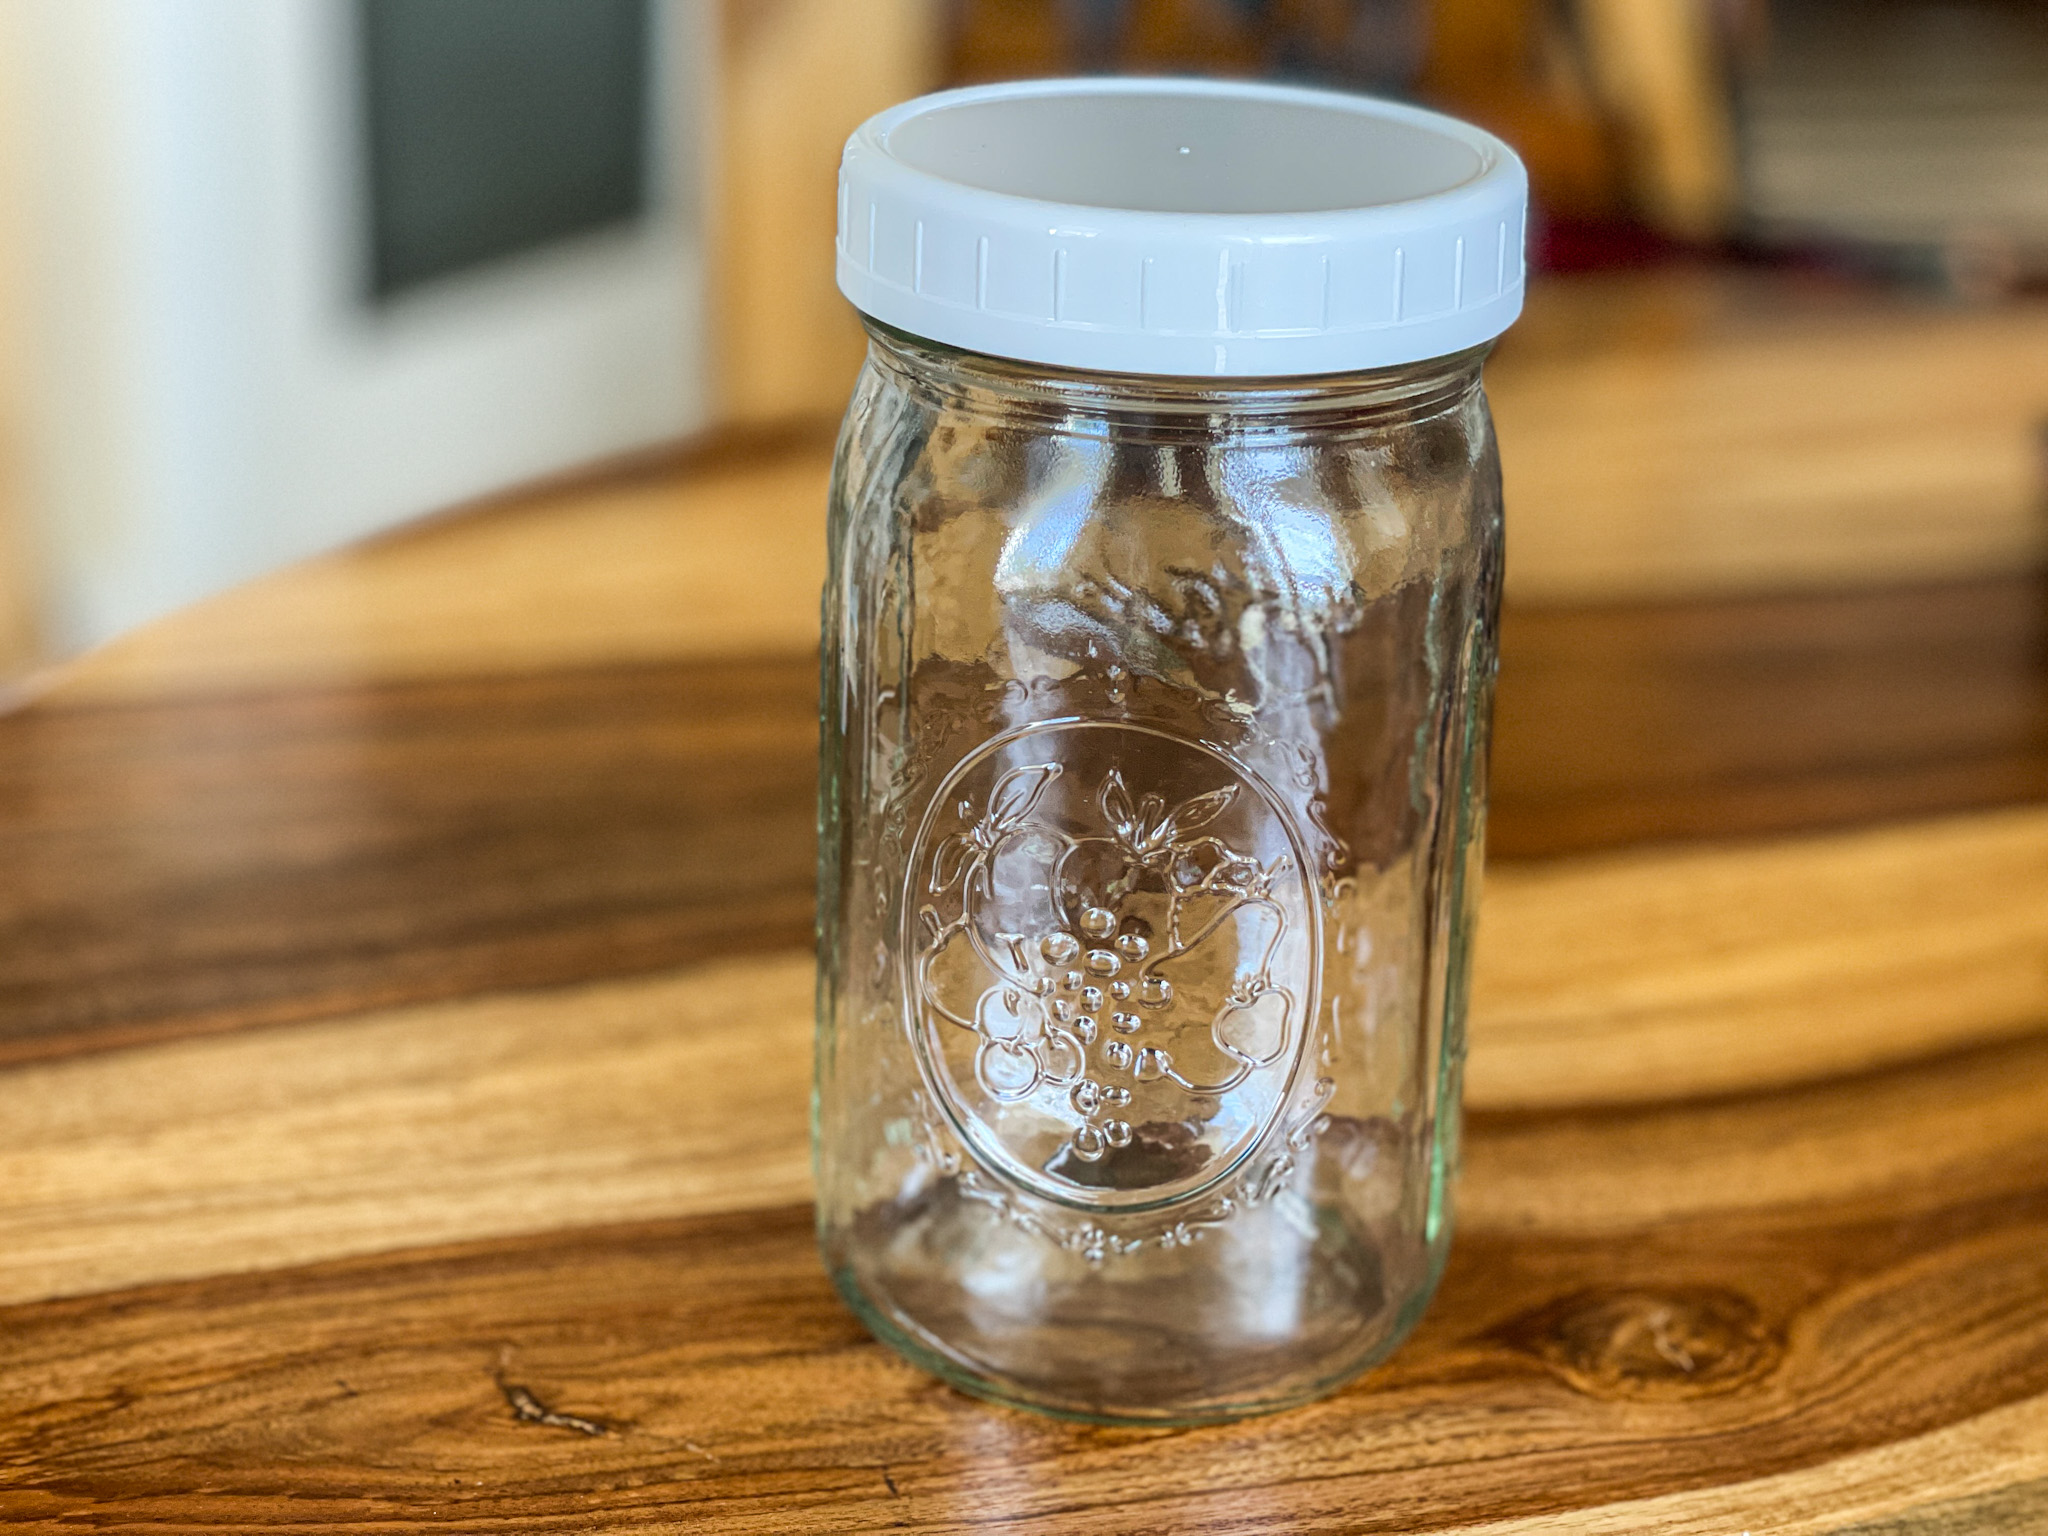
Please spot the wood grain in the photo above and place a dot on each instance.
(1680, 433)
(215, 864)
(719, 554)
(435, 1123)
(1898, 1139)
(1675, 1032)
(1994, 1464)
(220, 857)
(733, 1393)
(1684, 972)
(1622, 722)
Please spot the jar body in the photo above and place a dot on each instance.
(1152, 791)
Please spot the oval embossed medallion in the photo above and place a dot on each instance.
(1112, 958)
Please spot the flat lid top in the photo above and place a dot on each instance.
(1189, 150)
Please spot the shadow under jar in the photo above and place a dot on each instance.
(1153, 767)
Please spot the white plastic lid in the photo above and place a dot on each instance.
(1192, 227)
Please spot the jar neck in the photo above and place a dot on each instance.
(1071, 399)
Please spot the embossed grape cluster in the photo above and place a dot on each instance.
(1091, 992)
(1063, 1004)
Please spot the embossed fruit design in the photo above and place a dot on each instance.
(1112, 956)
(1253, 1028)
(1002, 866)
(1129, 872)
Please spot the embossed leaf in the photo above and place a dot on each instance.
(1154, 825)
(1203, 809)
(1117, 807)
(950, 860)
(1017, 791)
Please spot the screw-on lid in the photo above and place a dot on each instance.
(1182, 226)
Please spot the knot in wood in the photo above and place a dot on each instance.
(1685, 1341)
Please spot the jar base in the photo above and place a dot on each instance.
(1135, 1340)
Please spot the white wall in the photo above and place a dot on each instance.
(202, 394)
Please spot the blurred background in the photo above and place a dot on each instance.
(279, 274)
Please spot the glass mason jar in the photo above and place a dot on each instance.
(1153, 784)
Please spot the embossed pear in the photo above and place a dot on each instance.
(1255, 1030)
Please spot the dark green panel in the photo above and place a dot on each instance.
(498, 126)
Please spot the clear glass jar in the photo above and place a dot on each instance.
(1153, 783)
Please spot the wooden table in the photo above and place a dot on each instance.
(404, 1007)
